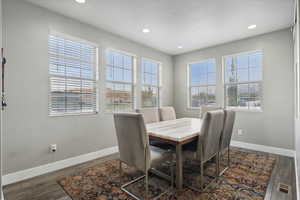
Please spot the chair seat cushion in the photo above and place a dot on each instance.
(158, 156)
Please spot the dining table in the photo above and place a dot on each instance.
(176, 132)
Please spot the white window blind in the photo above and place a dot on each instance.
(72, 76)
(243, 80)
(150, 83)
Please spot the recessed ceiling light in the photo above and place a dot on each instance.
(253, 26)
(146, 30)
(180, 47)
(80, 1)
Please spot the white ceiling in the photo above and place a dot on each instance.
(194, 24)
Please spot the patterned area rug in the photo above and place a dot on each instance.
(247, 179)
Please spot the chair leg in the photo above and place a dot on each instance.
(120, 170)
(228, 158)
(146, 177)
(123, 187)
(172, 176)
(228, 162)
(147, 184)
(217, 165)
(202, 180)
(201, 175)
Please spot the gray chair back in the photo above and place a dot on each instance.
(151, 115)
(227, 130)
(210, 134)
(205, 108)
(167, 113)
(133, 140)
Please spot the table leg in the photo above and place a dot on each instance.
(179, 170)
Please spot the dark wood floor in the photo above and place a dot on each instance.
(45, 187)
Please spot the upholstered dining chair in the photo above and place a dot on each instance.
(167, 113)
(151, 115)
(134, 148)
(225, 140)
(207, 146)
(206, 108)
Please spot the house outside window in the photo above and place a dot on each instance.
(150, 78)
(119, 81)
(243, 80)
(202, 83)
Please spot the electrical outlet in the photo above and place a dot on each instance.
(53, 148)
(240, 132)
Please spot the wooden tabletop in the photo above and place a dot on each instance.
(176, 131)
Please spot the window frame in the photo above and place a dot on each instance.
(189, 87)
(248, 109)
(132, 83)
(159, 78)
(96, 75)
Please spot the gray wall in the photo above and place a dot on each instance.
(297, 98)
(297, 136)
(28, 130)
(275, 125)
(1, 132)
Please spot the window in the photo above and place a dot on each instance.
(202, 83)
(243, 77)
(72, 75)
(119, 82)
(150, 83)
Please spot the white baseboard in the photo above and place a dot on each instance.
(263, 148)
(51, 167)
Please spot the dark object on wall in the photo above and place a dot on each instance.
(4, 104)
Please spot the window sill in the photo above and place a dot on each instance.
(149, 107)
(114, 112)
(194, 109)
(72, 114)
(198, 108)
(246, 110)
